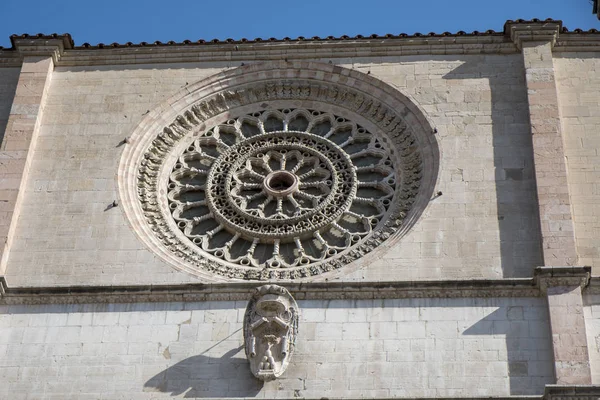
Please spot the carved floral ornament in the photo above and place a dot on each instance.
(277, 171)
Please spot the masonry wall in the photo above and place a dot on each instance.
(8, 85)
(592, 325)
(578, 83)
(484, 226)
(67, 233)
(381, 348)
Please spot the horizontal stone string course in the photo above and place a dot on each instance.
(525, 287)
(482, 288)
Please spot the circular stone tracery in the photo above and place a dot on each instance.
(163, 174)
(282, 188)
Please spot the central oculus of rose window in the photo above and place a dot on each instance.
(280, 184)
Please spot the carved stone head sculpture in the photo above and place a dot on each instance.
(270, 328)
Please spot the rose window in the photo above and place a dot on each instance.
(282, 188)
(278, 171)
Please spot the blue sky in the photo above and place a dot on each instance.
(135, 21)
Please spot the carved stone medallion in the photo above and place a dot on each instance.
(270, 329)
(282, 188)
(282, 178)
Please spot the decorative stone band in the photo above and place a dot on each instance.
(163, 135)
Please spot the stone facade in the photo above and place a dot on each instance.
(345, 348)
(446, 245)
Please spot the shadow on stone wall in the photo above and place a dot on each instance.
(9, 78)
(418, 347)
(207, 377)
(524, 337)
(516, 193)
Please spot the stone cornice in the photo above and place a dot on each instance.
(575, 392)
(243, 291)
(380, 49)
(480, 288)
(562, 276)
(577, 42)
(235, 52)
(42, 45)
(532, 31)
(593, 287)
(247, 52)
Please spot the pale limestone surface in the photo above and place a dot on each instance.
(9, 78)
(66, 234)
(386, 348)
(591, 311)
(578, 84)
(571, 359)
(8, 85)
(484, 225)
(19, 139)
(556, 221)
